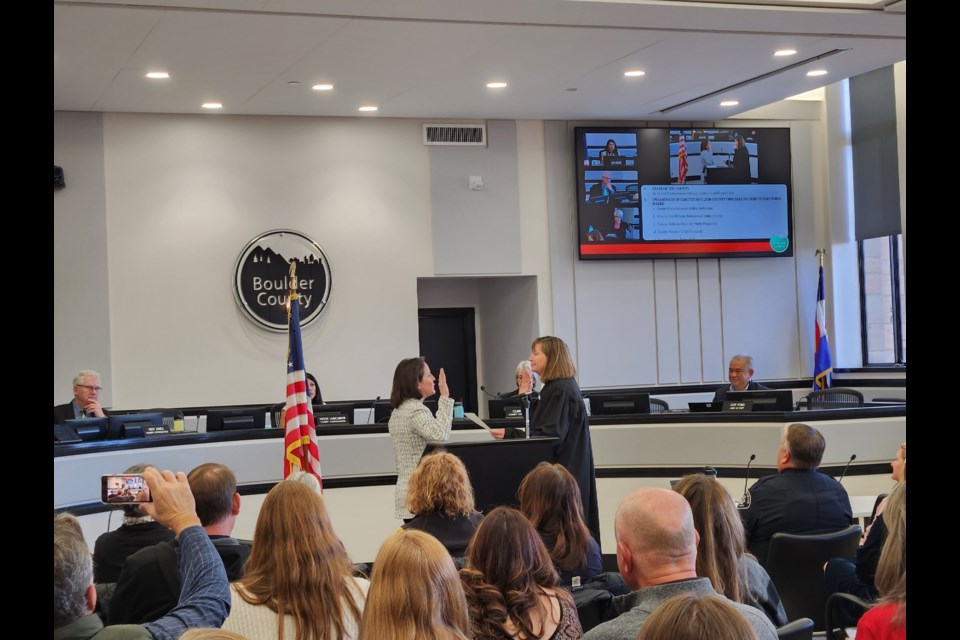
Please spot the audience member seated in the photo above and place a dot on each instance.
(721, 552)
(511, 585)
(740, 375)
(550, 498)
(858, 578)
(888, 619)
(694, 617)
(440, 498)
(524, 365)
(137, 531)
(205, 596)
(798, 499)
(298, 582)
(86, 399)
(657, 557)
(149, 585)
(415, 592)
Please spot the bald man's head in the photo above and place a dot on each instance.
(656, 541)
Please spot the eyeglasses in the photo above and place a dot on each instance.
(91, 387)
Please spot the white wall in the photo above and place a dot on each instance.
(163, 204)
(81, 322)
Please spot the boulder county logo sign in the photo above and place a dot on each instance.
(262, 278)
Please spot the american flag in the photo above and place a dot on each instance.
(300, 452)
(822, 367)
(682, 166)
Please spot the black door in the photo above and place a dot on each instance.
(448, 339)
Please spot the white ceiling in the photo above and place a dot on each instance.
(562, 59)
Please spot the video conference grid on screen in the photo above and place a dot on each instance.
(683, 193)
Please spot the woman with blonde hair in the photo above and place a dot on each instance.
(859, 578)
(888, 620)
(440, 497)
(298, 583)
(511, 585)
(693, 617)
(415, 592)
(721, 552)
(550, 498)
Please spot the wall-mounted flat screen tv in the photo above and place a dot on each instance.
(670, 192)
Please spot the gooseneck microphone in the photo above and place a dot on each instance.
(852, 458)
(372, 407)
(745, 499)
(497, 397)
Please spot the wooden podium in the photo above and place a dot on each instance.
(497, 467)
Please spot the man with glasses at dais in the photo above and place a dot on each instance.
(86, 399)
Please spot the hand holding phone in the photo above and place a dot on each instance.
(125, 488)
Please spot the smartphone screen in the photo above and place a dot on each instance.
(124, 489)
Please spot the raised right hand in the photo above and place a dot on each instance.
(526, 381)
(442, 382)
(173, 503)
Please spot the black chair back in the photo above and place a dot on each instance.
(838, 605)
(658, 406)
(834, 398)
(795, 564)
(801, 629)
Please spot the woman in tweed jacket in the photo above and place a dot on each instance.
(412, 425)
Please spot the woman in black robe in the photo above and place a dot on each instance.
(560, 413)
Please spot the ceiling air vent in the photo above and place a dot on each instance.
(459, 135)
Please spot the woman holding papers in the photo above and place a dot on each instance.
(412, 425)
(561, 413)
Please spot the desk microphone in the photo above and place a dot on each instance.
(852, 458)
(744, 498)
(496, 397)
(372, 407)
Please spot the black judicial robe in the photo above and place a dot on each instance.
(560, 413)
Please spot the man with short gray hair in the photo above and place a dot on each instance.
(86, 399)
(205, 597)
(740, 375)
(798, 499)
(657, 557)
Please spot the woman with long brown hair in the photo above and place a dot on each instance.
(298, 583)
(721, 552)
(511, 585)
(415, 592)
(412, 425)
(550, 498)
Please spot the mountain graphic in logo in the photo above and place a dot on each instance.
(263, 278)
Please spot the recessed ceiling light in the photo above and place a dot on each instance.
(729, 103)
(785, 52)
(368, 108)
(816, 72)
(323, 87)
(158, 75)
(212, 105)
(496, 85)
(634, 73)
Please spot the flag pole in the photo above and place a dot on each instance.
(294, 298)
